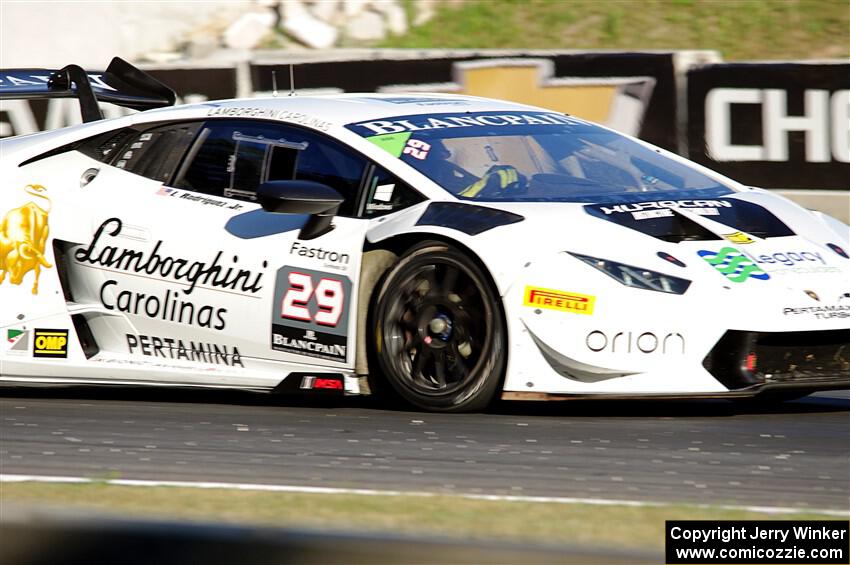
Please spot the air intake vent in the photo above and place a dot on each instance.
(741, 359)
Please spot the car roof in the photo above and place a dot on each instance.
(341, 109)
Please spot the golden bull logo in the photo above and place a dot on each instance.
(50, 343)
(23, 237)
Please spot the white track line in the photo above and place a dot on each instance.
(6, 478)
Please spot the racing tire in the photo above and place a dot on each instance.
(439, 332)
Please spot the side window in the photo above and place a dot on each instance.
(386, 194)
(233, 157)
(155, 152)
(230, 158)
(102, 147)
(331, 163)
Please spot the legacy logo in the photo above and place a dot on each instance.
(559, 300)
(733, 264)
(50, 343)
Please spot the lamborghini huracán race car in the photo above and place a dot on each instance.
(446, 250)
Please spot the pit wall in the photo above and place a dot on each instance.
(778, 125)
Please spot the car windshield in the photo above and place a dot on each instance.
(531, 156)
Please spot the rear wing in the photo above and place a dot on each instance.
(121, 84)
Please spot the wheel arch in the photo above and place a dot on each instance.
(397, 245)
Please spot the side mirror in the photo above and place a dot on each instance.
(302, 197)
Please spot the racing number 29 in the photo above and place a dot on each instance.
(330, 297)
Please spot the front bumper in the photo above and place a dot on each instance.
(743, 360)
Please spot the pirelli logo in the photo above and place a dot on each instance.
(50, 343)
(559, 300)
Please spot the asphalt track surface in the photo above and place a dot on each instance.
(795, 454)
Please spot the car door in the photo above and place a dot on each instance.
(190, 271)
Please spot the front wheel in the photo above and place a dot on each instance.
(439, 335)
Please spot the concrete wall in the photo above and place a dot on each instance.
(52, 34)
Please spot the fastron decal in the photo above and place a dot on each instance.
(330, 257)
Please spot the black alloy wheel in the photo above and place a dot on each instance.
(439, 330)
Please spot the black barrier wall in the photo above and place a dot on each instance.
(773, 125)
(632, 92)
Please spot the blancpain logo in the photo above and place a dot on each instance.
(708, 207)
(312, 346)
(416, 123)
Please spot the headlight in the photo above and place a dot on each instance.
(636, 277)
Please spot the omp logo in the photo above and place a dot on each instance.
(733, 264)
(738, 237)
(559, 300)
(23, 237)
(50, 343)
(618, 102)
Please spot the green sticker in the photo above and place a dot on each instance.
(392, 143)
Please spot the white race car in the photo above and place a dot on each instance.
(447, 250)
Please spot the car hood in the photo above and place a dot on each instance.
(733, 241)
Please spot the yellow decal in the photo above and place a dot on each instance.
(559, 300)
(23, 237)
(738, 237)
(50, 343)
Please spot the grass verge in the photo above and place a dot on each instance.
(739, 29)
(624, 527)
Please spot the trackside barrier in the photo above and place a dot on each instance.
(777, 125)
